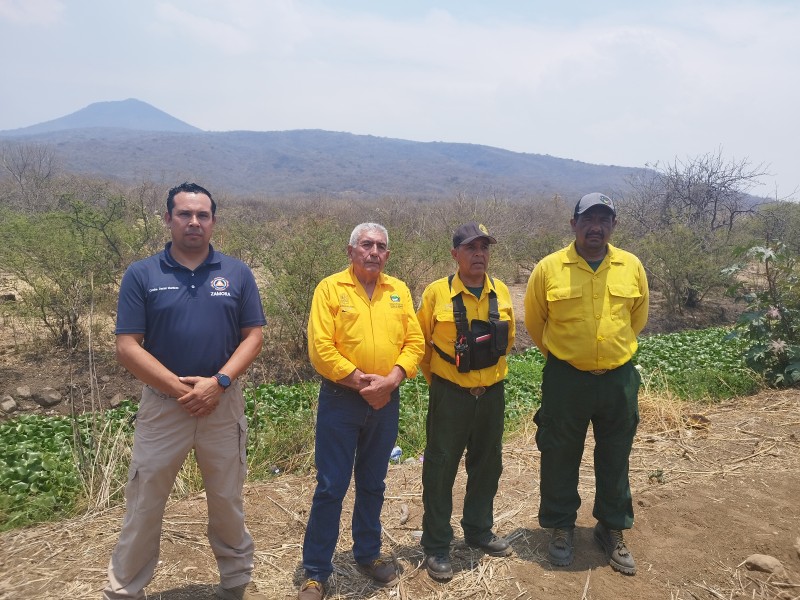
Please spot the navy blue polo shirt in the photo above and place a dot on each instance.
(191, 320)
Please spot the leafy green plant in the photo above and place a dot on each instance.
(280, 427)
(523, 385)
(695, 364)
(413, 414)
(41, 475)
(770, 326)
(37, 474)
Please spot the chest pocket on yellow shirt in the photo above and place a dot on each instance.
(444, 314)
(348, 327)
(396, 325)
(621, 297)
(565, 304)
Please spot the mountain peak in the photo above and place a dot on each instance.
(130, 114)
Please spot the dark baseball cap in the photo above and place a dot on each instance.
(594, 199)
(471, 231)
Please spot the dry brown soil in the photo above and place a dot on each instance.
(708, 493)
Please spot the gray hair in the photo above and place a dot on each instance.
(363, 228)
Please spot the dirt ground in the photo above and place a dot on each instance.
(705, 499)
(712, 485)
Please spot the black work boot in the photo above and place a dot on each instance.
(492, 545)
(439, 567)
(560, 550)
(619, 557)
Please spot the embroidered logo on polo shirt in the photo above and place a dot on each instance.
(219, 285)
(395, 298)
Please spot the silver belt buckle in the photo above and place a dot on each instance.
(599, 372)
(477, 391)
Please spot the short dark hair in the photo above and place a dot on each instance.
(191, 188)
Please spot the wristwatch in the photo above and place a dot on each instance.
(223, 380)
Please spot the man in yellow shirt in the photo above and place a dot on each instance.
(584, 307)
(363, 339)
(468, 323)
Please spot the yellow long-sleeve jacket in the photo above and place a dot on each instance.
(588, 318)
(435, 316)
(347, 330)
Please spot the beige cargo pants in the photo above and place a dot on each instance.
(165, 434)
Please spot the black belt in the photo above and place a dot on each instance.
(551, 356)
(477, 391)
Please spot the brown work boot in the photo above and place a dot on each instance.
(311, 590)
(619, 557)
(382, 571)
(246, 591)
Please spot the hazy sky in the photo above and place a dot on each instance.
(613, 82)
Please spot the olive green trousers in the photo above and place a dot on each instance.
(458, 421)
(571, 400)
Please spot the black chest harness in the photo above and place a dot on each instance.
(479, 344)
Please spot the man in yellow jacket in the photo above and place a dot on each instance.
(468, 323)
(363, 339)
(584, 307)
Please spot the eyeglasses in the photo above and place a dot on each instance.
(368, 244)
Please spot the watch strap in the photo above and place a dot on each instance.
(223, 380)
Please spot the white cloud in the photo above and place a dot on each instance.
(205, 31)
(33, 12)
(615, 82)
(237, 27)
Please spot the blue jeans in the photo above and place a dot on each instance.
(351, 438)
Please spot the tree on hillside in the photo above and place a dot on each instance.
(706, 193)
(777, 222)
(31, 169)
(682, 217)
(70, 259)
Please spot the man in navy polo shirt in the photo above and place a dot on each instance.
(188, 325)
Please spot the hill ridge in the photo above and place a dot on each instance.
(130, 140)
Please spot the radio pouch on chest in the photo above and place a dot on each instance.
(479, 344)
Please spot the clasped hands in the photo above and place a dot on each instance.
(375, 389)
(201, 395)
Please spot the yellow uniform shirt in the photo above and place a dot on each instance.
(589, 319)
(347, 330)
(435, 316)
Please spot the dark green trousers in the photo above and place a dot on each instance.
(458, 421)
(571, 399)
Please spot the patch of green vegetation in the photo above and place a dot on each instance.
(413, 413)
(45, 475)
(703, 364)
(45, 464)
(280, 420)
